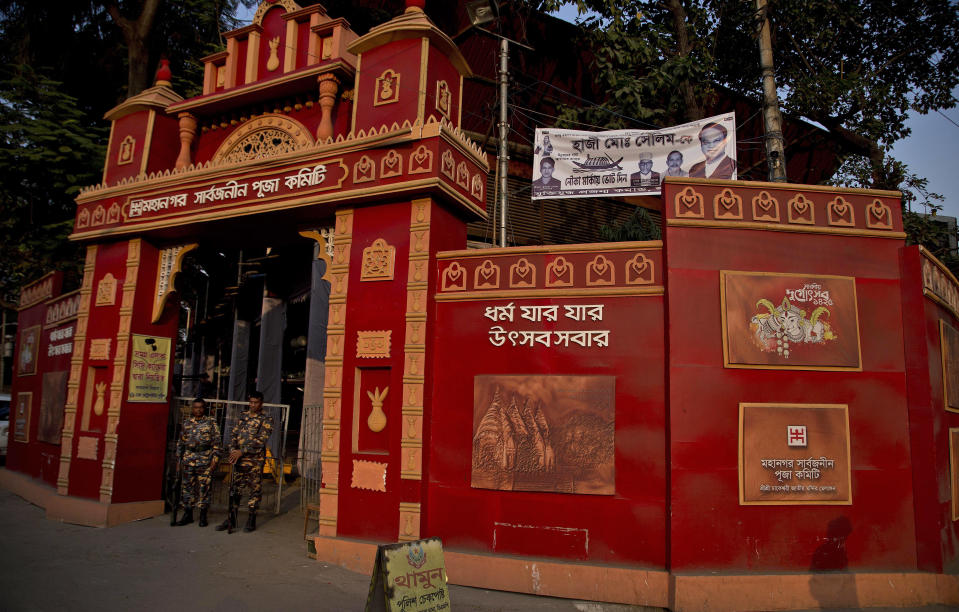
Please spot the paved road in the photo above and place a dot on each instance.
(148, 565)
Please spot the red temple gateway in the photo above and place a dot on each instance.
(758, 411)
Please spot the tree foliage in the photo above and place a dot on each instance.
(856, 68)
(65, 64)
(47, 150)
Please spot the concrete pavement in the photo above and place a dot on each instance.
(148, 565)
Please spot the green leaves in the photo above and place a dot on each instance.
(46, 153)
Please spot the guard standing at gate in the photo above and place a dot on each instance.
(247, 455)
(198, 451)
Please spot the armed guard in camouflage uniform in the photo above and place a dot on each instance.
(248, 454)
(198, 451)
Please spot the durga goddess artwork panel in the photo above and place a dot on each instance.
(544, 433)
(790, 321)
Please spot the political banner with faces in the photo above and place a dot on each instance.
(578, 164)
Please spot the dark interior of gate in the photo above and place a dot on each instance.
(764, 401)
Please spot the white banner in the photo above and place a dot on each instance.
(576, 164)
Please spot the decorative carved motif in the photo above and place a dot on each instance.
(765, 207)
(800, 210)
(391, 165)
(83, 219)
(640, 270)
(99, 215)
(100, 387)
(443, 98)
(364, 170)
(420, 212)
(486, 276)
(288, 5)
(369, 475)
(187, 134)
(454, 278)
(171, 260)
(126, 149)
(420, 241)
(328, 85)
(377, 419)
(387, 89)
(107, 290)
(559, 273)
(600, 272)
(448, 164)
(689, 204)
(87, 447)
(378, 261)
(266, 136)
(113, 215)
(274, 60)
(373, 344)
(421, 161)
(728, 205)
(462, 175)
(840, 212)
(878, 216)
(522, 274)
(100, 349)
(476, 189)
(938, 283)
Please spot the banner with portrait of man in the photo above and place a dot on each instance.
(577, 164)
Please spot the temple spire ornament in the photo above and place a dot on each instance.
(163, 74)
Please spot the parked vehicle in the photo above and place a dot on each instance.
(4, 423)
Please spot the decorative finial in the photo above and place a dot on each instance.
(414, 6)
(163, 75)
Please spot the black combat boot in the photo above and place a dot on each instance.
(187, 518)
(203, 521)
(224, 525)
(250, 522)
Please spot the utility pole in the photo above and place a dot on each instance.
(773, 121)
(502, 157)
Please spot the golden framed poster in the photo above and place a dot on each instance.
(794, 454)
(149, 368)
(29, 351)
(949, 350)
(21, 416)
(789, 321)
(953, 472)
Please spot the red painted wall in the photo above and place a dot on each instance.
(141, 445)
(439, 68)
(165, 145)
(937, 539)
(135, 126)
(21, 456)
(628, 527)
(274, 26)
(85, 474)
(403, 57)
(709, 530)
(374, 305)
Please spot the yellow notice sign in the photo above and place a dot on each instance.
(409, 577)
(149, 369)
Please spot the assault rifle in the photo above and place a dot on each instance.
(177, 486)
(234, 501)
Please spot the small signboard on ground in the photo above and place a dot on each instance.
(409, 577)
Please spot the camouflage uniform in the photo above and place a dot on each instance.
(199, 443)
(250, 435)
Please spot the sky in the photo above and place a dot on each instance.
(931, 151)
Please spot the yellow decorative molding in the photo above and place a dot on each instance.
(169, 265)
